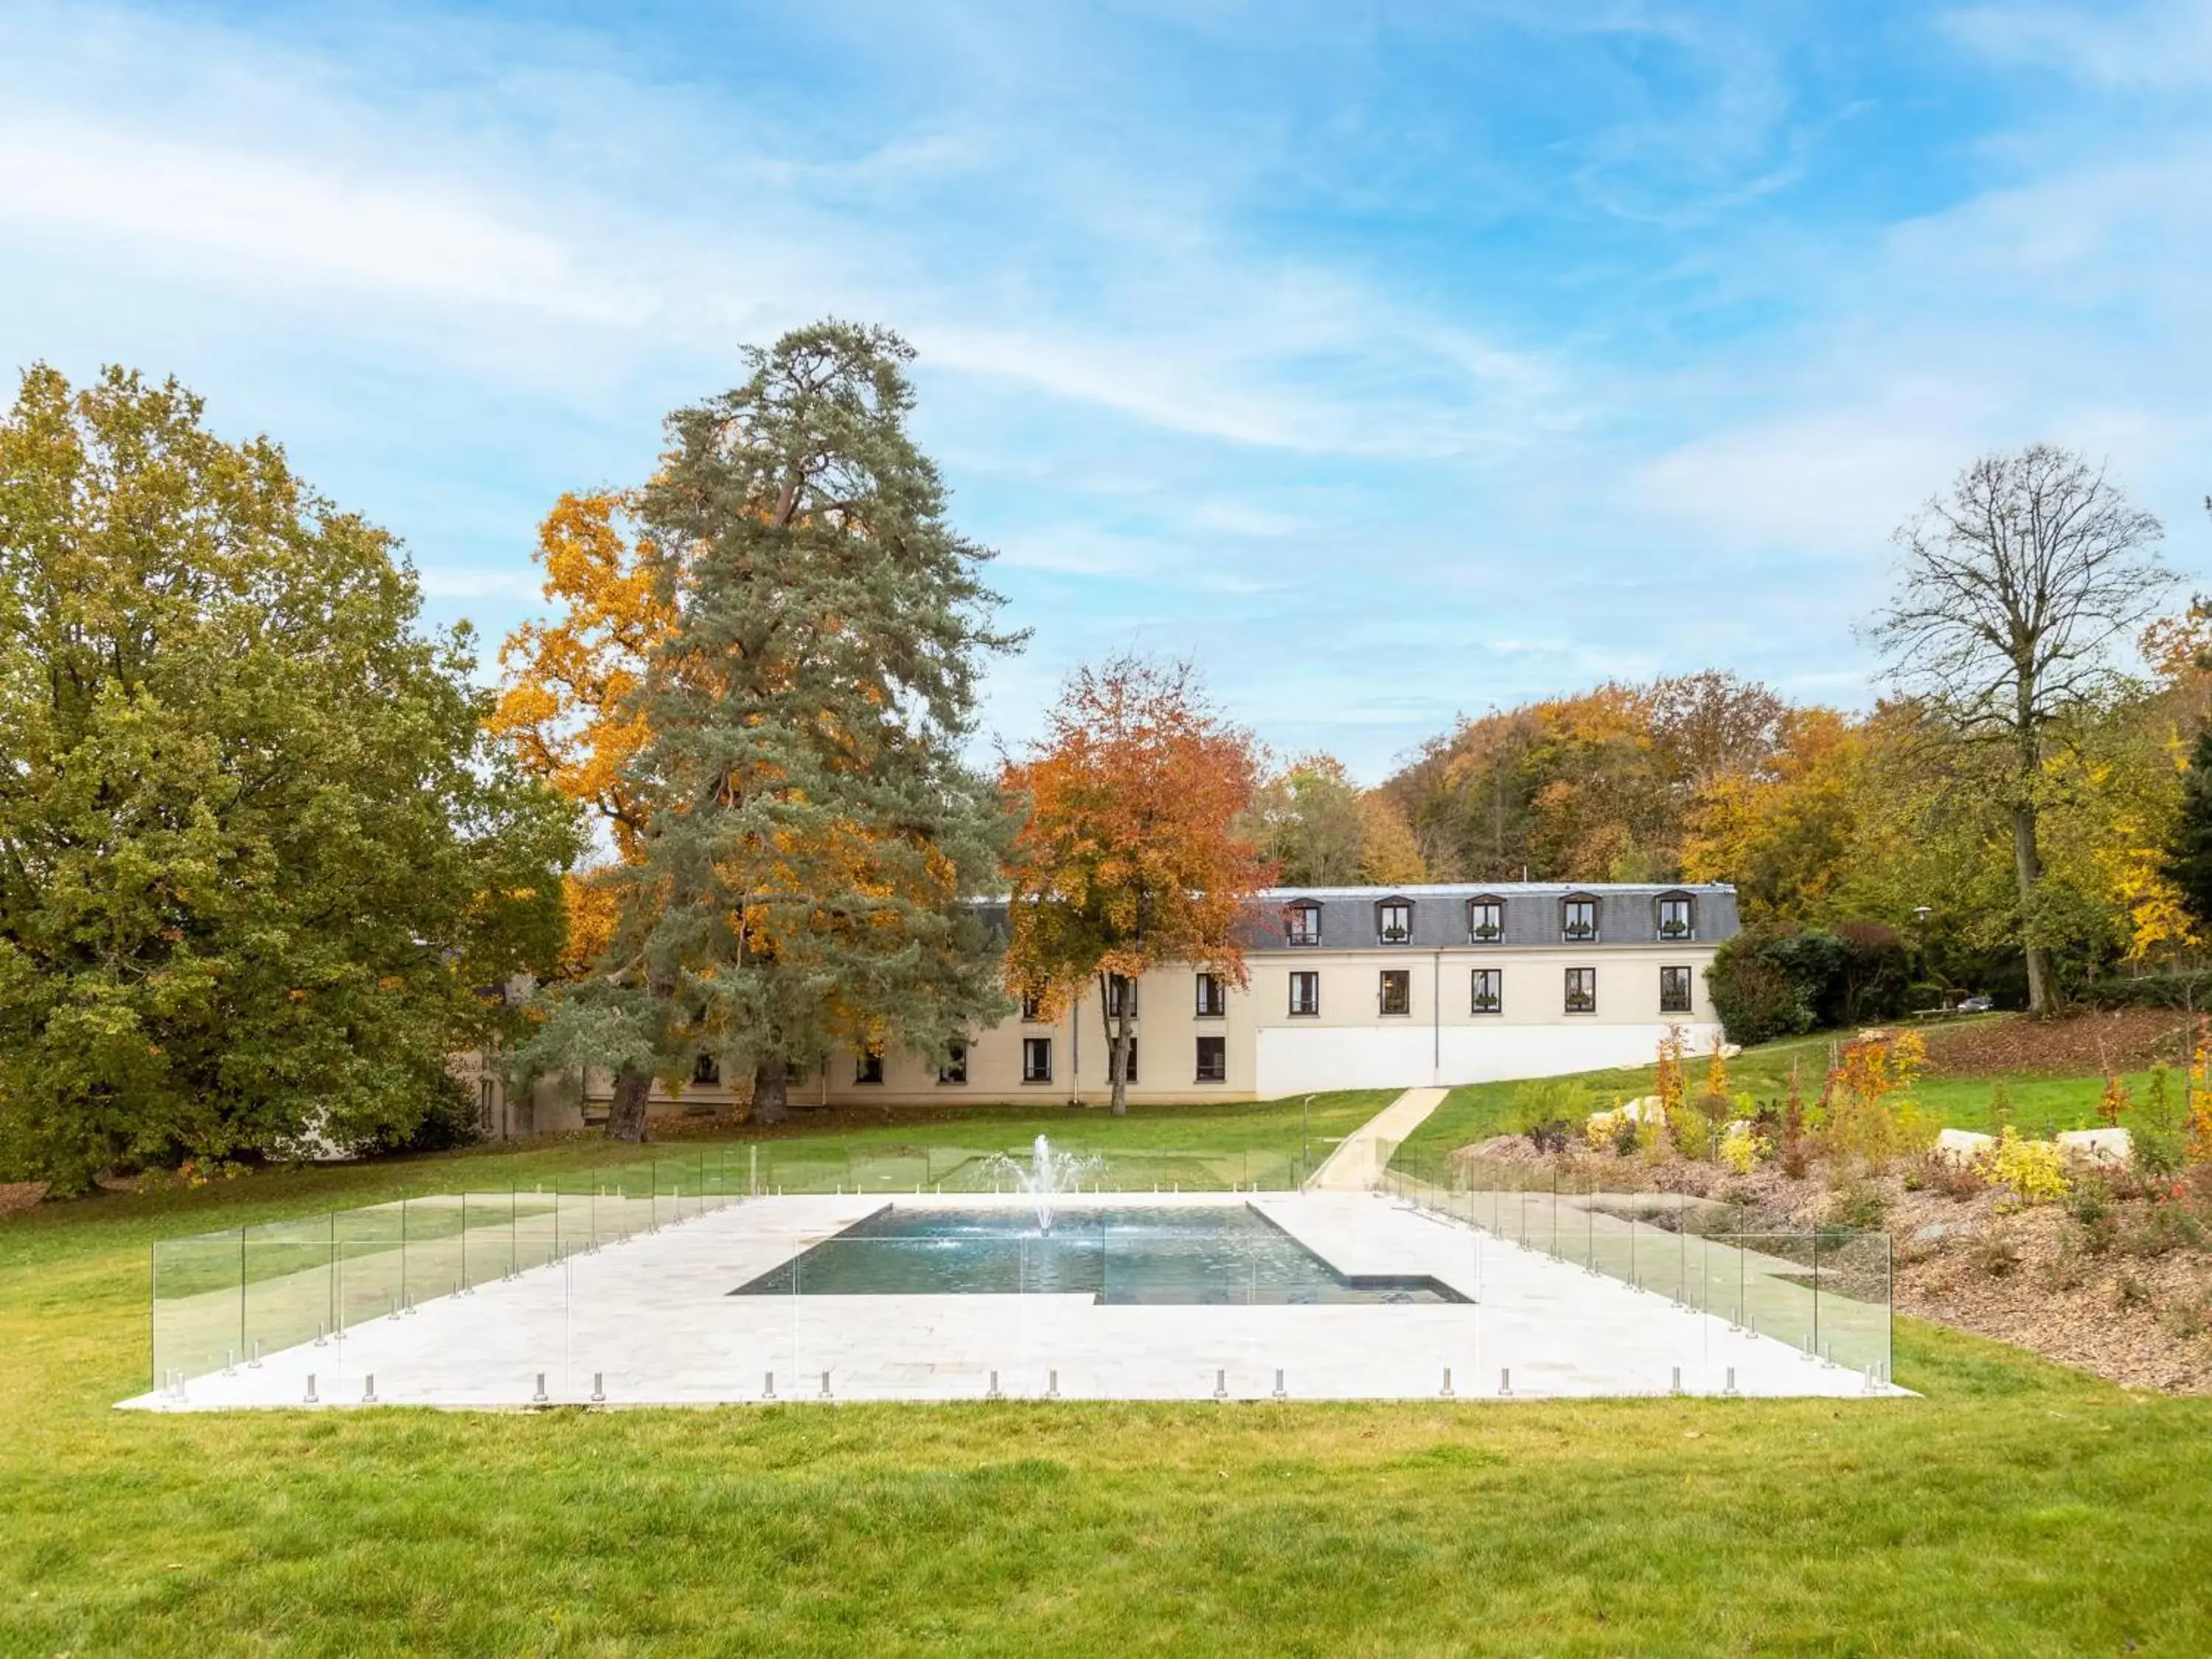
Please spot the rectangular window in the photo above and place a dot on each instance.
(1675, 918)
(1036, 1059)
(1582, 990)
(1673, 990)
(955, 1069)
(1486, 921)
(707, 1069)
(1578, 920)
(1489, 990)
(1393, 923)
(1305, 994)
(868, 1066)
(1032, 1009)
(1301, 925)
(1213, 996)
(1396, 995)
(1128, 1062)
(1213, 1059)
(1121, 991)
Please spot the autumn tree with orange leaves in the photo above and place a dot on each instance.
(769, 707)
(569, 707)
(1130, 858)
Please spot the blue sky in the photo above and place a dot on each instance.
(1393, 360)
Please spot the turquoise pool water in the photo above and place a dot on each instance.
(1160, 1254)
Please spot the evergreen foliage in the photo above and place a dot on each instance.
(812, 834)
(2189, 854)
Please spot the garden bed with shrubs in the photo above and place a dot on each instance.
(2103, 1264)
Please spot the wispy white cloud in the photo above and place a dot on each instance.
(2149, 46)
(1392, 364)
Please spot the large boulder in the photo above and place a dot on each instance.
(1963, 1146)
(2096, 1145)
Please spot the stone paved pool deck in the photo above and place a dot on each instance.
(650, 1321)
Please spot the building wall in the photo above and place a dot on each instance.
(1348, 1044)
(1167, 1028)
(1351, 1044)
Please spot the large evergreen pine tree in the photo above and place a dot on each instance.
(815, 834)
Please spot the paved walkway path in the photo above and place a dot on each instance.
(1357, 1165)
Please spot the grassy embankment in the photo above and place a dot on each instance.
(2043, 1102)
(2017, 1509)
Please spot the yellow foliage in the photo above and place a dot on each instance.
(1870, 1113)
(2032, 1171)
(568, 707)
(1388, 855)
(1740, 1149)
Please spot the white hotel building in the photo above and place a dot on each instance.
(1348, 987)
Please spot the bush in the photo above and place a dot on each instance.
(1994, 1254)
(1756, 997)
(449, 1120)
(2032, 1171)
(1769, 983)
(2155, 1141)
(1551, 1135)
(2174, 991)
(1549, 1100)
(1693, 1135)
(1739, 1149)
(1858, 1208)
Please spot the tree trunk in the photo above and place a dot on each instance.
(1118, 1040)
(771, 1090)
(626, 1116)
(2027, 859)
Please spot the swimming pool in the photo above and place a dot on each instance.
(1158, 1255)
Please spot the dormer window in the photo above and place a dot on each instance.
(1394, 922)
(1677, 916)
(1486, 920)
(1302, 924)
(1578, 920)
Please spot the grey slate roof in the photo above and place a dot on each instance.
(1628, 914)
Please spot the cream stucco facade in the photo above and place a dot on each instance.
(1347, 988)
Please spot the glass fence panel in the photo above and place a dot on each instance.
(368, 1264)
(197, 1324)
(289, 1292)
(435, 1232)
(901, 1297)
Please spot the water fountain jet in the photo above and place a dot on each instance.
(1048, 1175)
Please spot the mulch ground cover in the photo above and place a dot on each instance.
(2126, 1039)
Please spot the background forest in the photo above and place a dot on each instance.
(1826, 819)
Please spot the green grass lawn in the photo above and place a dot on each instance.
(2017, 1509)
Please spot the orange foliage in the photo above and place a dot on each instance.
(1129, 858)
(568, 707)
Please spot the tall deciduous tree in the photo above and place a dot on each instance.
(2014, 590)
(1131, 857)
(810, 838)
(570, 707)
(1321, 829)
(258, 859)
